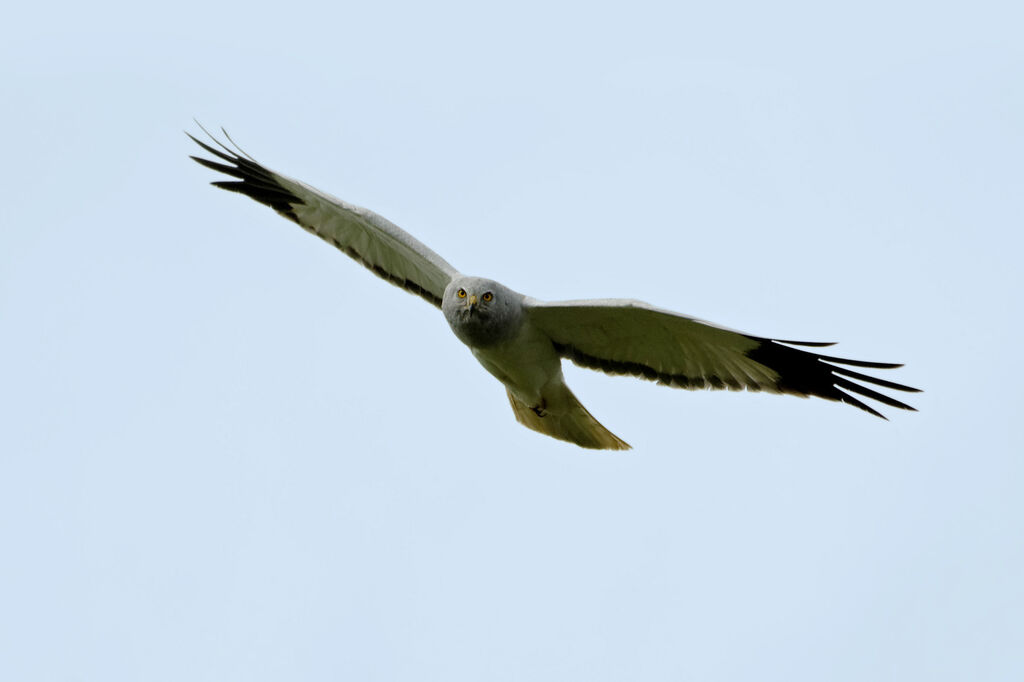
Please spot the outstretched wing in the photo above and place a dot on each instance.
(631, 337)
(374, 241)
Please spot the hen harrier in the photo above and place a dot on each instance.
(521, 340)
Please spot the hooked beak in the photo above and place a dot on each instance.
(471, 303)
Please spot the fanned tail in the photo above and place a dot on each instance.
(572, 423)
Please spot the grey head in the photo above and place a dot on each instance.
(482, 312)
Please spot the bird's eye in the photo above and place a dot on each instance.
(487, 297)
(461, 293)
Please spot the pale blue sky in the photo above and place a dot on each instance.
(227, 452)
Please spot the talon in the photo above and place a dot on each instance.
(539, 410)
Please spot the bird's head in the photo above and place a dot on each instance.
(480, 311)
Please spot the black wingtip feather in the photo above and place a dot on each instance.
(862, 363)
(237, 147)
(254, 181)
(874, 380)
(233, 171)
(813, 344)
(845, 397)
(807, 373)
(870, 393)
(212, 150)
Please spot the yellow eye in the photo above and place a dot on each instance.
(462, 293)
(487, 297)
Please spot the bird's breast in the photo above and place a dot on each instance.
(526, 364)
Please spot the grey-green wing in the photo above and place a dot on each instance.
(631, 337)
(380, 245)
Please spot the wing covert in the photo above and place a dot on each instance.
(377, 243)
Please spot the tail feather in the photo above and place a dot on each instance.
(572, 423)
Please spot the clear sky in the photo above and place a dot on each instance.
(228, 452)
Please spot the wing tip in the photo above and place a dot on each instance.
(804, 372)
(812, 344)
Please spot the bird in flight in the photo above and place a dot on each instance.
(521, 341)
